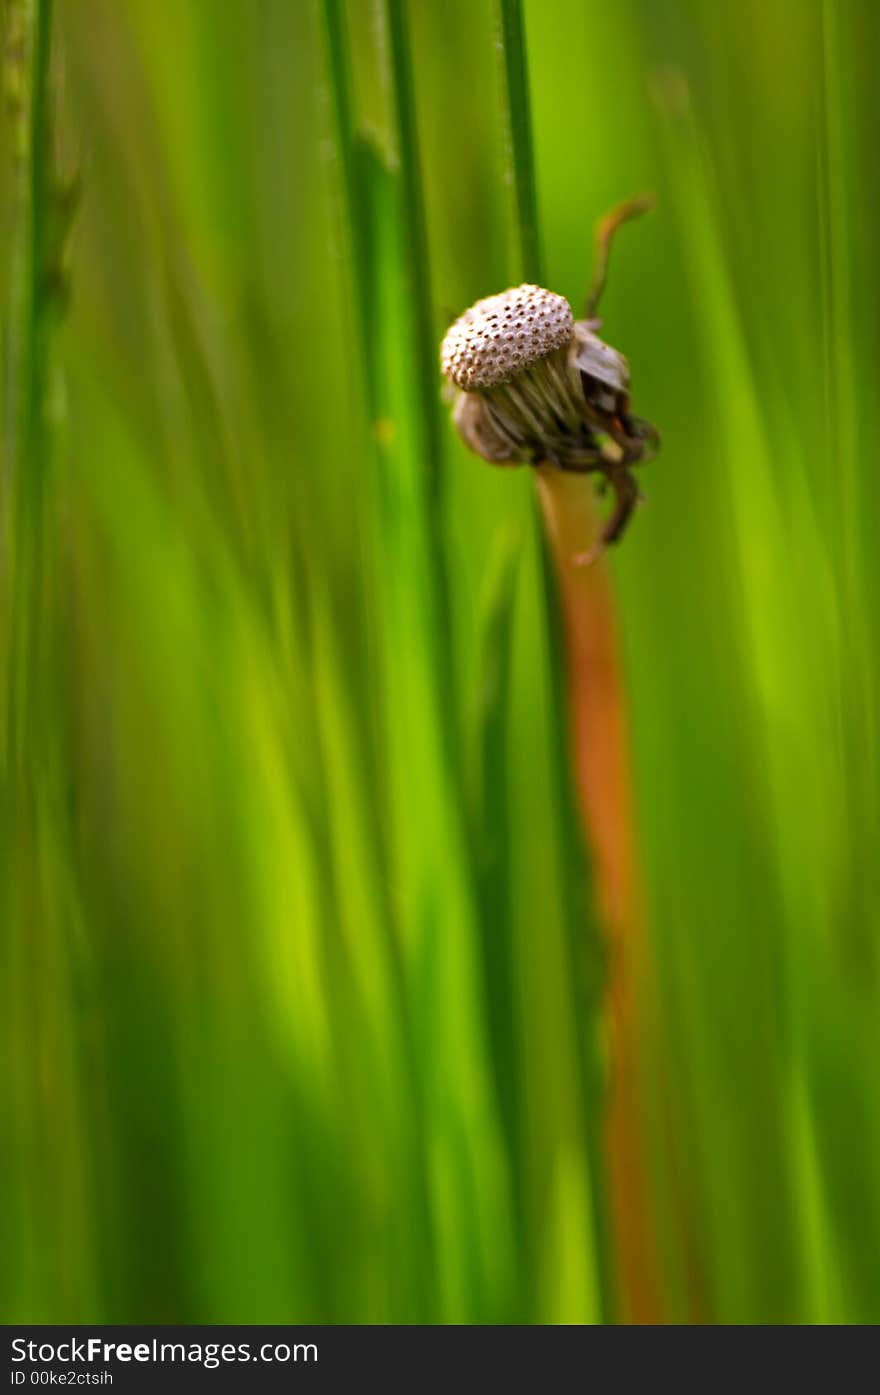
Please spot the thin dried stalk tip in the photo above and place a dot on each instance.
(500, 336)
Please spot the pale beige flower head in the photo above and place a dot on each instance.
(536, 386)
(502, 334)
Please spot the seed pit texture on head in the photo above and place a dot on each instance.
(500, 335)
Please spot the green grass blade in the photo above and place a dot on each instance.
(518, 121)
(575, 887)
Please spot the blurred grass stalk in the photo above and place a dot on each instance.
(802, 678)
(465, 1266)
(26, 347)
(44, 1167)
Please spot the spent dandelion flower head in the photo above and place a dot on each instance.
(538, 387)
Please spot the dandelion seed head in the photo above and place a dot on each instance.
(501, 335)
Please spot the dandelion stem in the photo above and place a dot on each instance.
(600, 752)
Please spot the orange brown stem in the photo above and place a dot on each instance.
(597, 712)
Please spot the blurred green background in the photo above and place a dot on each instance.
(299, 985)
